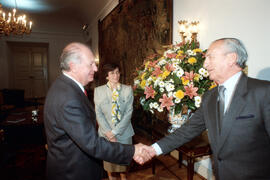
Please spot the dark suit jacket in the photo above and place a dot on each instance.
(75, 150)
(242, 150)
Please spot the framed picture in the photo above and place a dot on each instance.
(132, 31)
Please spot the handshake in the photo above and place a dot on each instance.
(143, 153)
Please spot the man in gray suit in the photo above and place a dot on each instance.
(75, 150)
(238, 120)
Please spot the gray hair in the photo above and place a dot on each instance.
(236, 46)
(71, 53)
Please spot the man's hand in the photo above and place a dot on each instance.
(143, 153)
(110, 136)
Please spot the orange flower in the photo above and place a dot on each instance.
(157, 71)
(189, 76)
(149, 92)
(171, 55)
(152, 63)
(191, 91)
(169, 67)
(166, 102)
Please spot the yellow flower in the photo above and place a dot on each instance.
(197, 50)
(146, 64)
(142, 84)
(196, 77)
(184, 81)
(165, 74)
(142, 77)
(161, 58)
(180, 94)
(213, 84)
(192, 60)
(180, 54)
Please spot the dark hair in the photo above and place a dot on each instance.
(109, 67)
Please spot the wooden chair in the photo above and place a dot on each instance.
(198, 147)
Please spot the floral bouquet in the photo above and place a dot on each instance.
(174, 82)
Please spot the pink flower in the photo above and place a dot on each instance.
(169, 67)
(191, 91)
(189, 76)
(149, 92)
(157, 71)
(166, 102)
(171, 55)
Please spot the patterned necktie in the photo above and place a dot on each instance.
(221, 100)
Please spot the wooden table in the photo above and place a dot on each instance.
(198, 147)
(19, 126)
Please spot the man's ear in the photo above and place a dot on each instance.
(72, 66)
(232, 58)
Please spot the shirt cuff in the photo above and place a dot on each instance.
(157, 149)
(114, 132)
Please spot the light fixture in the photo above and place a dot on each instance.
(11, 23)
(188, 30)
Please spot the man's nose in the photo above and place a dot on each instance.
(95, 68)
(205, 64)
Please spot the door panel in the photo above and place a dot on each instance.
(29, 67)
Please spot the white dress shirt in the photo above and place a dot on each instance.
(230, 85)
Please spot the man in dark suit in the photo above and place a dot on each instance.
(237, 119)
(75, 150)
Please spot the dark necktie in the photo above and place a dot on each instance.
(221, 100)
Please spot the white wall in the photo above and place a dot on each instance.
(56, 31)
(242, 19)
(247, 20)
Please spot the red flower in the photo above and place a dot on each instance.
(149, 92)
(166, 101)
(191, 91)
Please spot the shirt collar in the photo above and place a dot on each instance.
(79, 84)
(232, 81)
(117, 87)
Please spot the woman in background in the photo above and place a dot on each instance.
(114, 106)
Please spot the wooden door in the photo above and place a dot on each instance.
(29, 70)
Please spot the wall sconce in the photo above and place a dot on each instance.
(188, 30)
(182, 29)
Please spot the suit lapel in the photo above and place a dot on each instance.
(78, 89)
(235, 108)
(212, 111)
(212, 115)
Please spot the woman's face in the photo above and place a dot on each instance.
(113, 76)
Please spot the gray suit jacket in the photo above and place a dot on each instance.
(103, 107)
(75, 149)
(242, 150)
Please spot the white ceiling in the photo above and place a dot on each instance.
(84, 10)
